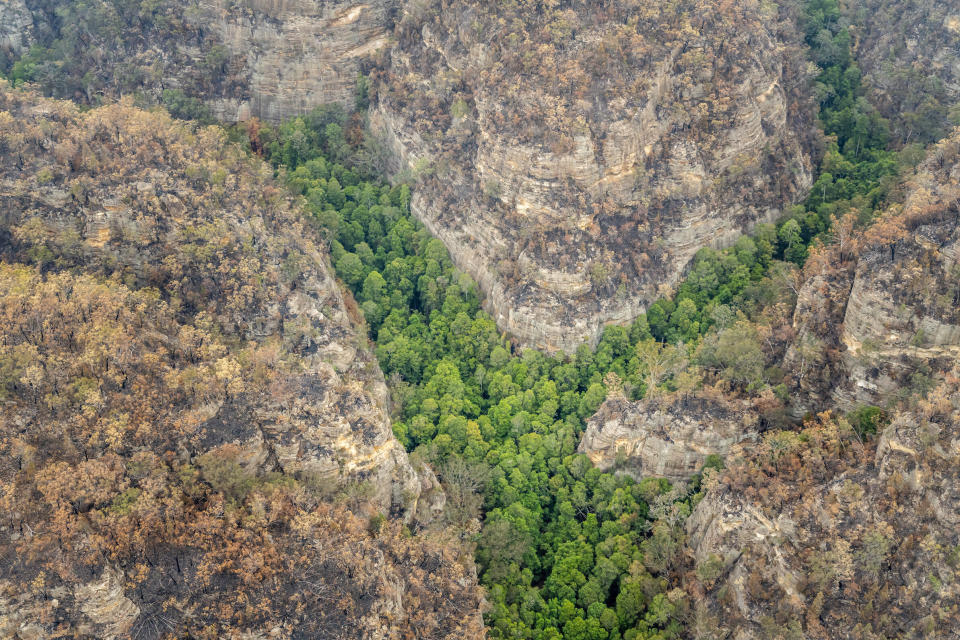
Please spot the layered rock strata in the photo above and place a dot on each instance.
(295, 55)
(574, 177)
(665, 436)
(266, 59)
(878, 325)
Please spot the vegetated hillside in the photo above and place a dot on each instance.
(574, 157)
(909, 51)
(878, 313)
(835, 532)
(187, 413)
(820, 535)
(201, 58)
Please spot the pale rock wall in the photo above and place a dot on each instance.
(665, 437)
(886, 339)
(105, 605)
(283, 57)
(874, 329)
(297, 54)
(813, 355)
(15, 25)
(564, 240)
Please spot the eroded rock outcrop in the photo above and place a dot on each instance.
(880, 323)
(296, 55)
(16, 24)
(190, 417)
(813, 358)
(816, 535)
(573, 160)
(666, 436)
(266, 58)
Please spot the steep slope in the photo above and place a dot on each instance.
(880, 315)
(815, 535)
(909, 51)
(272, 60)
(122, 192)
(574, 158)
(182, 391)
(822, 534)
(128, 512)
(666, 437)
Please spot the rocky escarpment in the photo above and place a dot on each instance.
(667, 437)
(880, 319)
(910, 54)
(15, 25)
(123, 193)
(822, 533)
(190, 421)
(272, 60)
(296, 55)
(573, 160)
(813, 358)
(816, 535)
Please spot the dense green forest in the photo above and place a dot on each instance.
(565, 550)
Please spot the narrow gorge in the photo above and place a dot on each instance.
(547, 320)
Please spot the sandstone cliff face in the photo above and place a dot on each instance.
(122, 192)
(909, 51)
(296, 55)
(820, 537)
(15, 26)
(270, 59)
(573, 161)
(813, 358)
(666, 437)
(901, 322)
(819, 534)
(883, 324)
(190, 419)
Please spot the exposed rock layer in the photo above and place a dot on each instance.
(879, 324)
(295, 55)
(265, 58)
(664, 436)
(575, 176)
(15, 26)
(823, 534)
